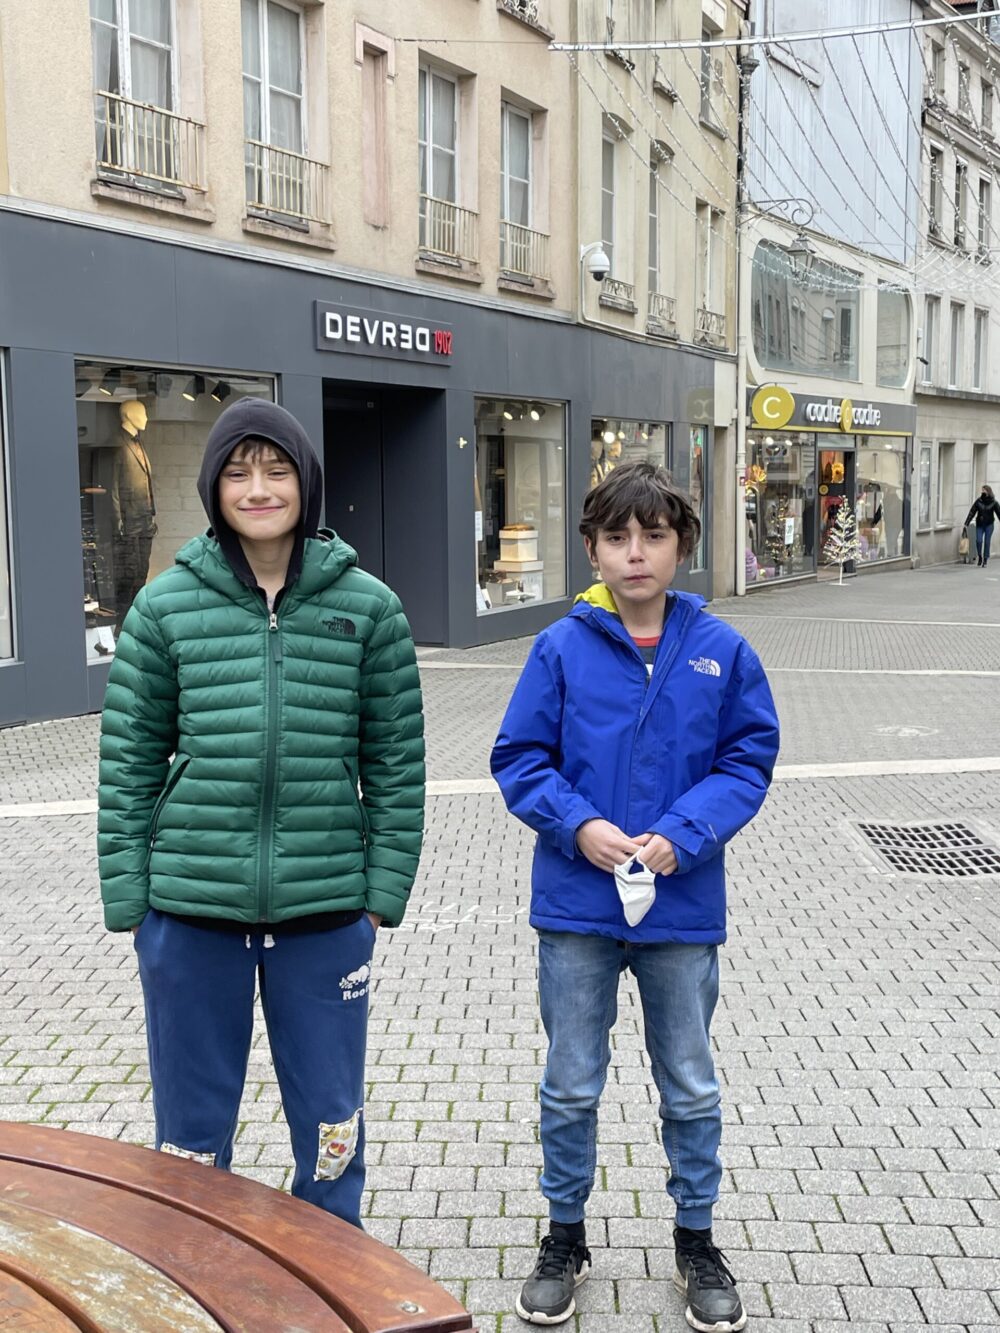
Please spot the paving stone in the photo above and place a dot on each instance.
(857, 1031)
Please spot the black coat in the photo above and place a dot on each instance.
(985, 512)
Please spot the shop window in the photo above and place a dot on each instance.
(880, 476)
(980, 467)
(614, 441)
(520, 503)
(142, 432)
(804, 320)
(945, 483)
(6, 591)
(697, 460)
(780, 503)
(924, 488)
(892, 349)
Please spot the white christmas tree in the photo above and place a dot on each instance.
(843, 544)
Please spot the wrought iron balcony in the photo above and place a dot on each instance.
(147, 145)
(710, 327)
(447, 231)
(286, 184)
(523, 252)
(661, 315)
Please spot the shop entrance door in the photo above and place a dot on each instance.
(836, 484)
(352, 427)
(386, 491)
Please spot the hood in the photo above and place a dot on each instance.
(324, 561)
(266, 421)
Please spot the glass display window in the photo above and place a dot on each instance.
(6, 591)
(806, 321)
(141, 433)
(780, 497)
(697, 458)
(520, 503)
(614, 441)
(880, 486)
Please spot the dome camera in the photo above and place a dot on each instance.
(598, 265)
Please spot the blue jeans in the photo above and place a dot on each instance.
(983, 538)
(578, 990)
(198, 985)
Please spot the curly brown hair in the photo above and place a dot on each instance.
(646, 492)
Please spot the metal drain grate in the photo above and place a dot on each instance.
(954, 850)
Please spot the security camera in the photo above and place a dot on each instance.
(598, 265)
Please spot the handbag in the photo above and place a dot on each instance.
(963, 542)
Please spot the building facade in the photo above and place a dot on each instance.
(379, 224)
(827, 337)
(957, 447)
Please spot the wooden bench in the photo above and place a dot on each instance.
(98, 1236)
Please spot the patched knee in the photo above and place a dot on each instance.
(338, 1146)
(172, 1150)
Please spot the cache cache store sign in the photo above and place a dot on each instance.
(341, 328)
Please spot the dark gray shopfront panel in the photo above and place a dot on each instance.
(72, 290)
(45, 505)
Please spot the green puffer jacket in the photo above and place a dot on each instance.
(272, 720)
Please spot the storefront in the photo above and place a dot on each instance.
(806, 457)
(456, 437)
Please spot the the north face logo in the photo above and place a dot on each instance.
(341, 625)
(705, 666)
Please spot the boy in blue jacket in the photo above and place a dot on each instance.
(640, 738)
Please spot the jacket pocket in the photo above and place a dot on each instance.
(352, 777)
(173, 777)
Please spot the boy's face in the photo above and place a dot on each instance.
(259, 493)
(638, 564)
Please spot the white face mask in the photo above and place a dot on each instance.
(637, 889)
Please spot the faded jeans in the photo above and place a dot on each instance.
(578, 989)
(983, 538)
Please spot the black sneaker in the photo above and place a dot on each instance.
(547, 1296)
(713, 1304)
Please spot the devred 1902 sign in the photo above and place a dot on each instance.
(341, 328)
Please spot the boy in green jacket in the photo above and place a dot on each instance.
(279, 677)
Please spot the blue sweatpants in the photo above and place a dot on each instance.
(198, 985)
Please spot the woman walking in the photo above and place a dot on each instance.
(986, 510)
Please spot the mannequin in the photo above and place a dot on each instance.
(133, 509)
(598, 464)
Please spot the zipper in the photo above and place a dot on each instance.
(173, 777)
(273, 659)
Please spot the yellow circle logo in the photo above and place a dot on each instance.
(772, 406)
(846, 415)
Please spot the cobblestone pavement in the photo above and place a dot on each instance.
(858, 1032)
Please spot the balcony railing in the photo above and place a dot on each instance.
(286, 184)
(710, 327)
(148, 143)
(523, 252)
(661, 316)
(522, 9)
(447, 230)
(616, 293)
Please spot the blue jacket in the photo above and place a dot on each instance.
(687, 752)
